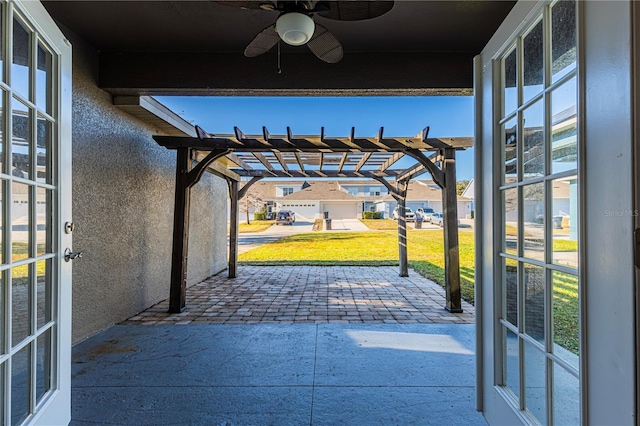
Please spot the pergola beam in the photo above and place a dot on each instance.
(342, 161)
(362, 161)
(390, 161)
(318, 173)
(244, 143)
(278, 156)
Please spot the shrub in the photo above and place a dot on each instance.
(259, 216)
(372, 215)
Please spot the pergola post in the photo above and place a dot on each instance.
(233, 228)
(177, 294)
(186, 177)
(451, 246)
(403, 261)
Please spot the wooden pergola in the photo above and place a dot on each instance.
(238, 156)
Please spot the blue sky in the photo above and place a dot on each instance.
(400, 116)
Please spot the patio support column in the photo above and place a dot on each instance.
(403, 260)
(451, 246)
(399, 193)
(177, 293)
(233, 228)
(186, 177)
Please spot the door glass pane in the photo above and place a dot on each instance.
(566, 327)
(21, 155)
(512, 362)
(533, 216)
(511, 220)
(510, 169)
(510, 70)
(20, 385)
(20, 304)
(43, 221)
(3, 309)
(564, 130)
(43, 148)
(566, 397)
(2, 109)
(44, 294)
(511, 291)
(533, 140)
(2, 43)
(563, 39)
(20, 221)
(534, 318)
(43, 370)
(533, 66)
(564, 224)
(44, 77)
(21, 59)
(2, 388)
(535, 382)
(3, 185)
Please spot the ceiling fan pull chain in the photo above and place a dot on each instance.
(279, 69)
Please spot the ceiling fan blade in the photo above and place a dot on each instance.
(263, 42)
(352, 10)
(325, 45)
(256, 5)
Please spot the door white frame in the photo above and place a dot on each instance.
(607, 274)
(55, 406)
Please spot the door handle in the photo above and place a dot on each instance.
(70, 255)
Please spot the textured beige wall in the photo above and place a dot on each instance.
(123, 188)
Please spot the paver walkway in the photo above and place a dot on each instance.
(311, 294)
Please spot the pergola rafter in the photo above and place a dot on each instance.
(258, 156)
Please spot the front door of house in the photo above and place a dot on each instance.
(555, 265)
(35, 199)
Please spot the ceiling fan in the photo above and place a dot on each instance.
(296, 27)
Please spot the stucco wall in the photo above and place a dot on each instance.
(123, 188)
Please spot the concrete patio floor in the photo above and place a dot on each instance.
(394, 370)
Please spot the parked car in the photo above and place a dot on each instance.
(438, 219)
(428, 217)
(422, 213)
(408, 214)
(285, 217)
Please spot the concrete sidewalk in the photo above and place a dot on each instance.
(300, 374)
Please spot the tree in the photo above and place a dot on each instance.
(461, 185)
(248, 202)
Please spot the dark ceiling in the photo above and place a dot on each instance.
(197, 47)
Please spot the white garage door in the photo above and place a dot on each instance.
(341, 211)
(305, 211)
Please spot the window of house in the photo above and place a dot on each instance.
(287, 191)
(374, 191)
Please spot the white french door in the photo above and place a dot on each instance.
(35, 194)
(555, 270)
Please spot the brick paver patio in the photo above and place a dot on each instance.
(311, 294)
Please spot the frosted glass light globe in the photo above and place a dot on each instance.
(295, 28)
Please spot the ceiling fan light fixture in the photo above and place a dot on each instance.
(295, 28)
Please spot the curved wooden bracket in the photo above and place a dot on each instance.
(436, 173)
(198, 170)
